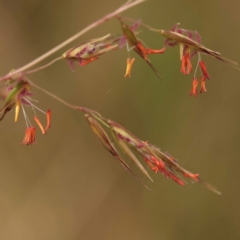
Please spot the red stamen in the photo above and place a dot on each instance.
(153, 51)
(29, 137)
(194, 88)
(204, 70)
(145, 51)
(150, 164)
(49, 113)
(39, 124)
(203, 87)
(191, 175)
(189, 65)
(186, 64)
(141, 50)
(26, 136)
(161, 166)
(83, 62)
(183, 68)
(176, 179)
(33, 135)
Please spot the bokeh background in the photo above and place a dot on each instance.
(67, 186)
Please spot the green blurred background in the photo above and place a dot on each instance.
(67, 186)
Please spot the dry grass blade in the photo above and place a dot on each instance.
(108, 145)
(210, 187)
(133, 157)
(182, 39)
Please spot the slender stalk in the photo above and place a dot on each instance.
(44, 66)
(55, 97)
(121, 9)
(82, 109)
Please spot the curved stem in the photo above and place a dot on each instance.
(54, 96)
(44, 66)
(124, 7)
(95, 114)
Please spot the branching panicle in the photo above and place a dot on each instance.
(19, 90)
